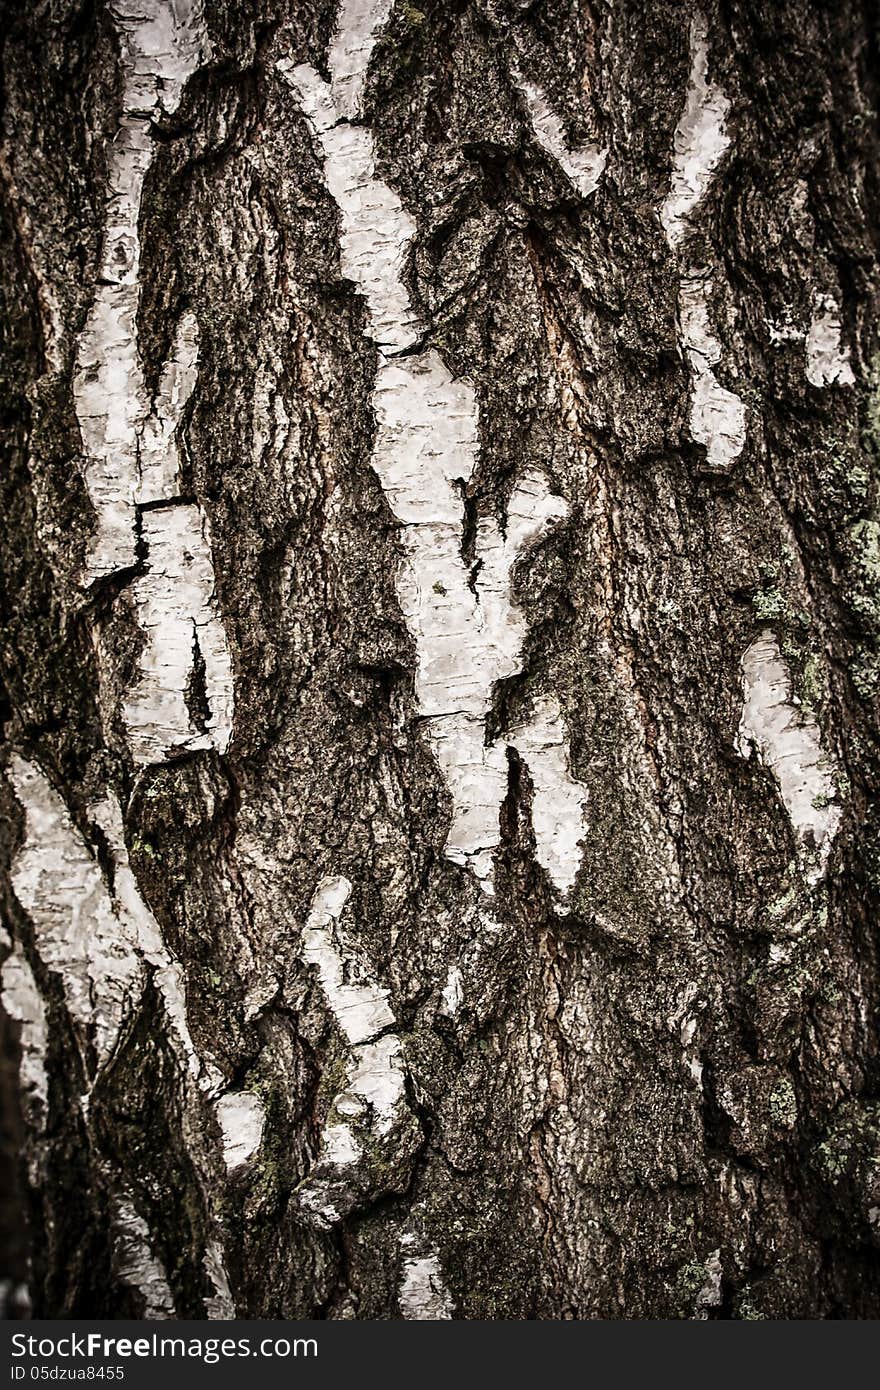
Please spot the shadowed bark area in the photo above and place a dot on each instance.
(440, 615)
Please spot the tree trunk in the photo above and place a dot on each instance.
(442, 593)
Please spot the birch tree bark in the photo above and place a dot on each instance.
(440, 615)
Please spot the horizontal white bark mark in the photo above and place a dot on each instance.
(787, 741)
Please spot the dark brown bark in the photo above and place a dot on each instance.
(658, 1094)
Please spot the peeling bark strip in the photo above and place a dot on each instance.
(175, 606)
(130, 442)
(103, 944)
(468, 631)
(95, 944)
(717, 416)
(100, 942)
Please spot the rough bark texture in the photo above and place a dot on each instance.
(440, 870)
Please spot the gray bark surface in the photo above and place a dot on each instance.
(654, 1094)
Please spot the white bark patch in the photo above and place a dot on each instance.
(467, 629)
(158, 460)
(24, 1003)
(709, 1296)
(98, 944)
(161, 46)
(787, 741)
(827, 359)
(452, 994)
(103, 946)
(15, 1301)
(361, 1009)
(79, 936)
(558, 805)
(377, 1077)
(136, 1266)
(339, 1146)
(423, 1295)
(700, 139)
(357, 25)
(584, 166)
(376, 228)
(784, 332)
(370, 1103)
(470, 635)
(241, 1117)
(717, 416)
(177, 610)
(129, 441)
(220, 1306)
(141, 927)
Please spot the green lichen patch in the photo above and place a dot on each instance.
(769, 602)
(761, 1105)
(863, 552)
(851, 1146)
